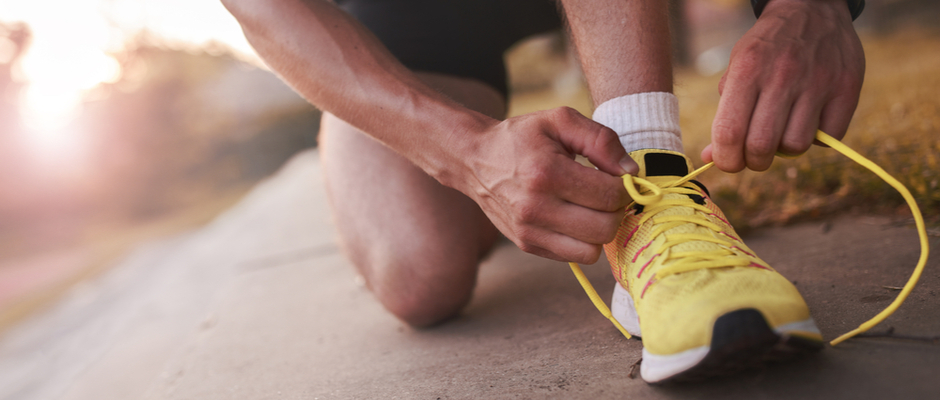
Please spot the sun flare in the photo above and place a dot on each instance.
(72, 40)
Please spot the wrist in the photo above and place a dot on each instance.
(850, 8)
(447, 159)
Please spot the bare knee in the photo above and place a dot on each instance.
(422, 309)
(423, 294)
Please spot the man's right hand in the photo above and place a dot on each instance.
(523, 174)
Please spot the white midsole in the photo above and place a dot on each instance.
(807, 325)
(624, 311)
(655, 368)
(658, 367)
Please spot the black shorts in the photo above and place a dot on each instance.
(466, 38)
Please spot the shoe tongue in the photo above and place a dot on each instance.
(658, 164)
(665, 164)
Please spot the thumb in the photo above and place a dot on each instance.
(721, 83)
(707, 153)
(597, 142)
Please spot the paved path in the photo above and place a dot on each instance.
(260, 304)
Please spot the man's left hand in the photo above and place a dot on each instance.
(799, 69)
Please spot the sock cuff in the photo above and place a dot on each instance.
(655, 111)
(643, 120)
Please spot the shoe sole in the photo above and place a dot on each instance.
(741, 340)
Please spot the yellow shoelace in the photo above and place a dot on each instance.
(651, 194)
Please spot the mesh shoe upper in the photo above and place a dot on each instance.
(685, 266)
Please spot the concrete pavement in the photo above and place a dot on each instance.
(261, 304)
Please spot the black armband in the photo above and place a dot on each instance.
(855, 7)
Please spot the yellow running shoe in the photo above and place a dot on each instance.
(702, 301)
(709, 306)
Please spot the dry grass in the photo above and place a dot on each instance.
(896, 125)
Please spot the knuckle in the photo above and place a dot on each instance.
(759, 163)
(527, 213)
(746, 57)
(605, 137)
(825, 74)
(524, 238)
(796, 144)
(838, 133)
(564, 115)
(568, 111)
(850, 84)
(589, 254)
(526, 247)
(536, 179)
(725, 132)
(789, 65)
(761, 145)
(610, 231)
(613, 198)
(729, 164)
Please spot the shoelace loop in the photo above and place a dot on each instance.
(684, 261)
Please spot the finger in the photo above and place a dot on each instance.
(721, 83)
(563, 248)
(707, 153)
(835, 116)
(588, 187)
(804, 120)
(583, 224)
(730, 127)
(767, 126)
(584, 136)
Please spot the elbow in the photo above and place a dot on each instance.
(229, 4)
(258, 14)
(250, 14)
(237, 7)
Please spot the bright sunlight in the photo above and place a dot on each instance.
(70, 52)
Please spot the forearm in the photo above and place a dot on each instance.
(624, 45)
(340, 67)
(520, 171)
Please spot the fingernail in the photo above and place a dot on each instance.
(629, 166)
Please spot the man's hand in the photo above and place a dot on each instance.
(523, 174)
(520, 171)
(799, 69)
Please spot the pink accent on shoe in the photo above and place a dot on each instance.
(648, 283)
(647, 264)
(743, 251)
(630, 235)
(722, 219)
(723, 233)
(641, 250)
(754, 264)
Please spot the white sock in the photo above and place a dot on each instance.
(643, 120)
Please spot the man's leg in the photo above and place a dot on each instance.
(703, 302)
(417, 243)
(625, 51)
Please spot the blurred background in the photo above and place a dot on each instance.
(123, 121)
